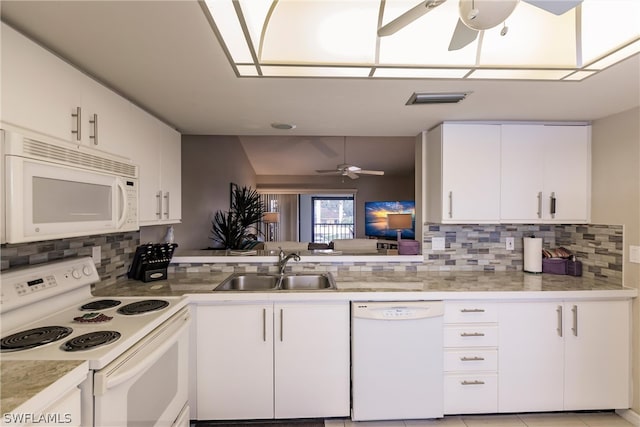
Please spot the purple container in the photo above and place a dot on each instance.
(408, 247)
(554, 265)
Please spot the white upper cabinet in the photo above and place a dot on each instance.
(463, 173)
(39, 91)
(43, 93)
(157, 150)
(508, 173)
(545, 174)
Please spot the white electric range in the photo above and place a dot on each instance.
(47, 312)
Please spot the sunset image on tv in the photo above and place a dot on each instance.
(375, 218)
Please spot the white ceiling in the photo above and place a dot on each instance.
(163, 56)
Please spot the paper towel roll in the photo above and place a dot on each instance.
(532, 254)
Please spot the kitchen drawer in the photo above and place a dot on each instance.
(470, 360)
(471, 336)
(470, 312)
(470, 394)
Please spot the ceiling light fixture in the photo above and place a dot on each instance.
(372, 39)
(436, 98)
(283, 126)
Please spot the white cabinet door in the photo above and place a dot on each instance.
(588, 367)
(567, 174)
(541, 163)
(39, 90)
(170, 173)
(312, 360)
(235, 361)
(156, 149)
(530, 357)
(597, 355)
(467, 187)
(106, 122)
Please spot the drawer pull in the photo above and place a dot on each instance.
(474, 382)
(471, 359)
(472, 334)
(472, 310)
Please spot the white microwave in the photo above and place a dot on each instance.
(54, 190)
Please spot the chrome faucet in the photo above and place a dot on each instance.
(284, 258)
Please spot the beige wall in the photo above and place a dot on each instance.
(616, 200)
(209, 165)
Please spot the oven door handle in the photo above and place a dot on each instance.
(142, 355)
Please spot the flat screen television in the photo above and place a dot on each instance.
(375, 218)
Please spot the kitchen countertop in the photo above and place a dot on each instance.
(380, 285)
(28, 386)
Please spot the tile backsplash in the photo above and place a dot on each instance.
(473, 247)
(481, 247)
(117, 252)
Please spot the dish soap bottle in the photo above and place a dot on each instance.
(168, 238)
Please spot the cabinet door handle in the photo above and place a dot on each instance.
(559, 328)
(472, 310)
(166, 199)
(159, 204)
(94, 121)
(574, 310)
(264, 324)
(552, 209)
(450, 204)
(471, 359)
(474, 382)
(540, 204)
(281, 325)
(78, 116)
(472, 334)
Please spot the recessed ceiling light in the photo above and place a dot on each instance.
(436, 98)
(283, 126)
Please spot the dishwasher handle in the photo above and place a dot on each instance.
(396, 311)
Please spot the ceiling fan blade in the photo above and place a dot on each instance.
(557, 7)
(408, 17)
(352, 175)
(462, 36)
(370, 172)
(330, 171)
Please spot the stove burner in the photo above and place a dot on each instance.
(145, 306)
(100, 304)
(92, 318)
(90, 340)
(33, 338)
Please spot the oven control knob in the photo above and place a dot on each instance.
(76, 273)
(86, 270)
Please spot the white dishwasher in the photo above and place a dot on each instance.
(397, 360)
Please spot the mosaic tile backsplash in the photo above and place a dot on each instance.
(467, 248)
(116, 253)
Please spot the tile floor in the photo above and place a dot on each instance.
(595, 419)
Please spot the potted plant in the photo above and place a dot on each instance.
(231, 229)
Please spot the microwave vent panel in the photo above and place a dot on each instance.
(58, 154)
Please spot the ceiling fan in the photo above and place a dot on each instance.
(346, 169)
(475, 16)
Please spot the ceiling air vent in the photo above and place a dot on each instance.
(436, 98)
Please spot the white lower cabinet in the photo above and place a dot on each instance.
(564, 355)
(470, 358)
(273, 360)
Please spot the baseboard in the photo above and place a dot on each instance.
(629, 415)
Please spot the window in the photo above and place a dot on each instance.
(332, 218)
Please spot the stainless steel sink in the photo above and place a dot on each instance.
(306, 282)
(249, 282)
(272, 282)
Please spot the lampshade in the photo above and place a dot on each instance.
(398, 221)
(271, 217)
